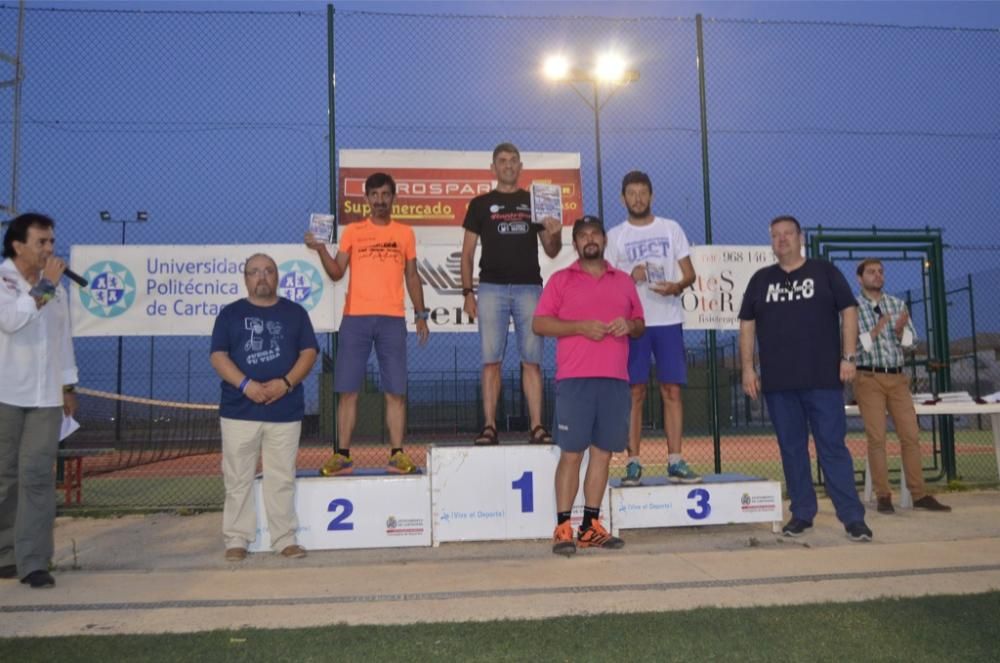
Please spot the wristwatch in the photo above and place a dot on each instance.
(287, 383)
(468, 291)
(849, 358)
(421, 315)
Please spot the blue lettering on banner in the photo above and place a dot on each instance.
(340, 521)
(702, 507)
(527, 488)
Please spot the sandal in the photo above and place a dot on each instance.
(539, 435)
(488, 436)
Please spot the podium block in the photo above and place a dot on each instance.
(367, 509)
(721, 499)
(498, 492)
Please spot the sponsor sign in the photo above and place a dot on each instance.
(722, 274)
(156, 290)
(434, 187)
(174, 290)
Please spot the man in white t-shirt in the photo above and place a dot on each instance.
(655, 252)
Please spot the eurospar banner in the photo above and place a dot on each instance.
(434, 187)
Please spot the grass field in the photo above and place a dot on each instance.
(937, 628)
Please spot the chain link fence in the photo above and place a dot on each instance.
(216, 123)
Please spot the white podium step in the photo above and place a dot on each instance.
(721, 499)
(498, 492)
(367, 509)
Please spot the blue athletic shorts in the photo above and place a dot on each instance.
(665, 344)
(496, 305)
(354, 345)
(592, 411)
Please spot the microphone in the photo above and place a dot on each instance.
(75, 278)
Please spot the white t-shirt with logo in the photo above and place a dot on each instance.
(661, 242)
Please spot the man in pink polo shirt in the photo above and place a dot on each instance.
(591, 308)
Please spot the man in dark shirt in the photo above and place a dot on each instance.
(805, 320)
(510, 284)
(263, 347)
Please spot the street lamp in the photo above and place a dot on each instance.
(140, 217)
(610, 72)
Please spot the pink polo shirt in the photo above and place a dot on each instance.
(573, 294)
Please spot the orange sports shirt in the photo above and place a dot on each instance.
(378, 263)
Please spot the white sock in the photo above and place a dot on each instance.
(634, 459)
(674, 458)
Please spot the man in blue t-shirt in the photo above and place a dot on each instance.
(805, 320)
(263, 347)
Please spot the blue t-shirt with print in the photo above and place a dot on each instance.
(797, 320)
(264, 342)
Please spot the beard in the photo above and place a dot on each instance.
(638, 213)
(592, 252)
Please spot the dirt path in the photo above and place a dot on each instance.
(165, 573)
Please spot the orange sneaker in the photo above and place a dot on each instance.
(596, 536)
(563, 540)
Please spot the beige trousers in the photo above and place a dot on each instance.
(243, 442)
(877, 393)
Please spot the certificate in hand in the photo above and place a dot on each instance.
(655, 273)
(321, 226)
(546, 200)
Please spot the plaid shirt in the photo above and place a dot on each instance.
(885, 350)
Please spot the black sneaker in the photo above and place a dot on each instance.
(796, 527)
(885, 504)
(928, 503)
(39, 579)
(859, 532)
(8, 571)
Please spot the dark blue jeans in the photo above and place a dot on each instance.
(794, 413)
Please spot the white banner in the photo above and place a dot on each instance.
(171, 290)
(722, 274)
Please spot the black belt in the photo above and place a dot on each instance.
(876, 369)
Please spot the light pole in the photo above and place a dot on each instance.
(140, 217)
(610, 72)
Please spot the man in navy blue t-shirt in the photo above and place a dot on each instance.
(263, 347)
(805, 320)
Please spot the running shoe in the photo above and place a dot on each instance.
(796, 527)
(336, 465)
(596, 536)
(563, 540)
(679, 472)
(633, 474)
(859, 532)
(400, 463)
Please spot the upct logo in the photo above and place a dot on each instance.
(300, 282)
(111, 291)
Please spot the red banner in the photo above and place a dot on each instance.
(433, 188)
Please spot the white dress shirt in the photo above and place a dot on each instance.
(36, 345)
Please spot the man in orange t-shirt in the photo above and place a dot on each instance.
(382, 255)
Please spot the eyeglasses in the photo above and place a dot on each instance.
(269, 271)
(787, 285)
(878, 311)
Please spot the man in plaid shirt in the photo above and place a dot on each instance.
(885, 329)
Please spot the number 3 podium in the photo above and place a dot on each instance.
(499, 493)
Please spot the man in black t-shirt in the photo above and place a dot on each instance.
(510, 284)
(805, 320)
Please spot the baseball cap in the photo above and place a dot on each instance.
(587, 221)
